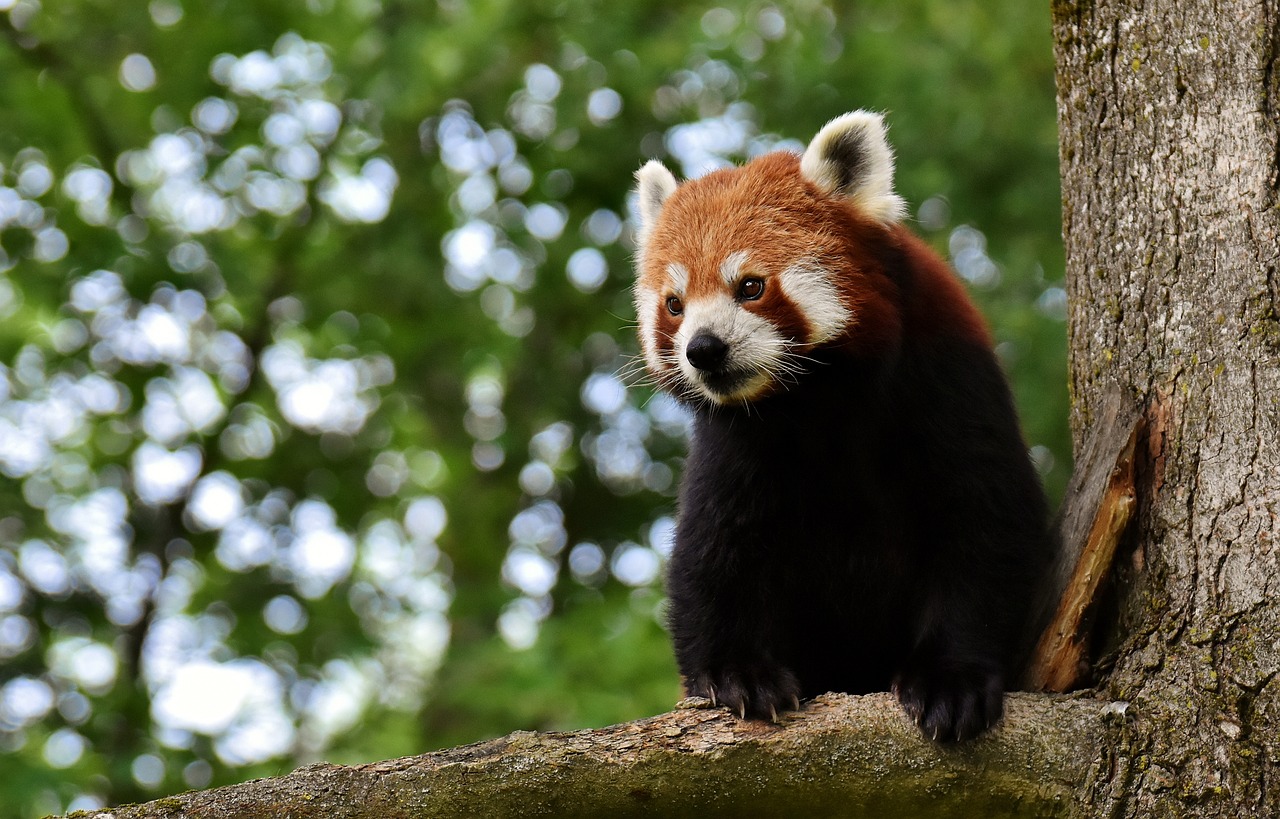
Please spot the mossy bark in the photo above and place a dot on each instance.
(1170, 132)
(841, 757)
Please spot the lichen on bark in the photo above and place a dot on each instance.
(1169, 172)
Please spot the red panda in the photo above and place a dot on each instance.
(858, 511)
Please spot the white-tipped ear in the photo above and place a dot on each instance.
(850, 157)
(655, 184)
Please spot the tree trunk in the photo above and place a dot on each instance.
(1169, 138)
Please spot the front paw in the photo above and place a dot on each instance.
(760, 691)
(951, 703)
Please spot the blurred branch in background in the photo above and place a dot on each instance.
(314, 441)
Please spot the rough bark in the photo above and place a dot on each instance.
(1095, 519)
(841, 757)
(1170, 132)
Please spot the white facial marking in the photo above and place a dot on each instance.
(811, 290)
(755, 347)
(731, 267)
(679, 276)
(757, 351)
(647, 318)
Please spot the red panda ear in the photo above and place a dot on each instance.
(850, 157)
(654, 184)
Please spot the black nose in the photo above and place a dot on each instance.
(706, 352)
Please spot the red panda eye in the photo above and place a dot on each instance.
(751, 289)
(674, 306)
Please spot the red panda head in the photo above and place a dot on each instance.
(745, 271)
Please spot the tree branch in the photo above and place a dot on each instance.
(841, 756)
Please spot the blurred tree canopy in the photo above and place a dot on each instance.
(315, 438)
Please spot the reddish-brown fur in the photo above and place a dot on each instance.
(941, 307)
(767, 208)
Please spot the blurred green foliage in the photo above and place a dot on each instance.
(312, 443)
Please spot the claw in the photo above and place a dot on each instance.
(742, 710)
(795, 702)
(712, 689)
(773, 714)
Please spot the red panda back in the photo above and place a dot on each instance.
(938, 306)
